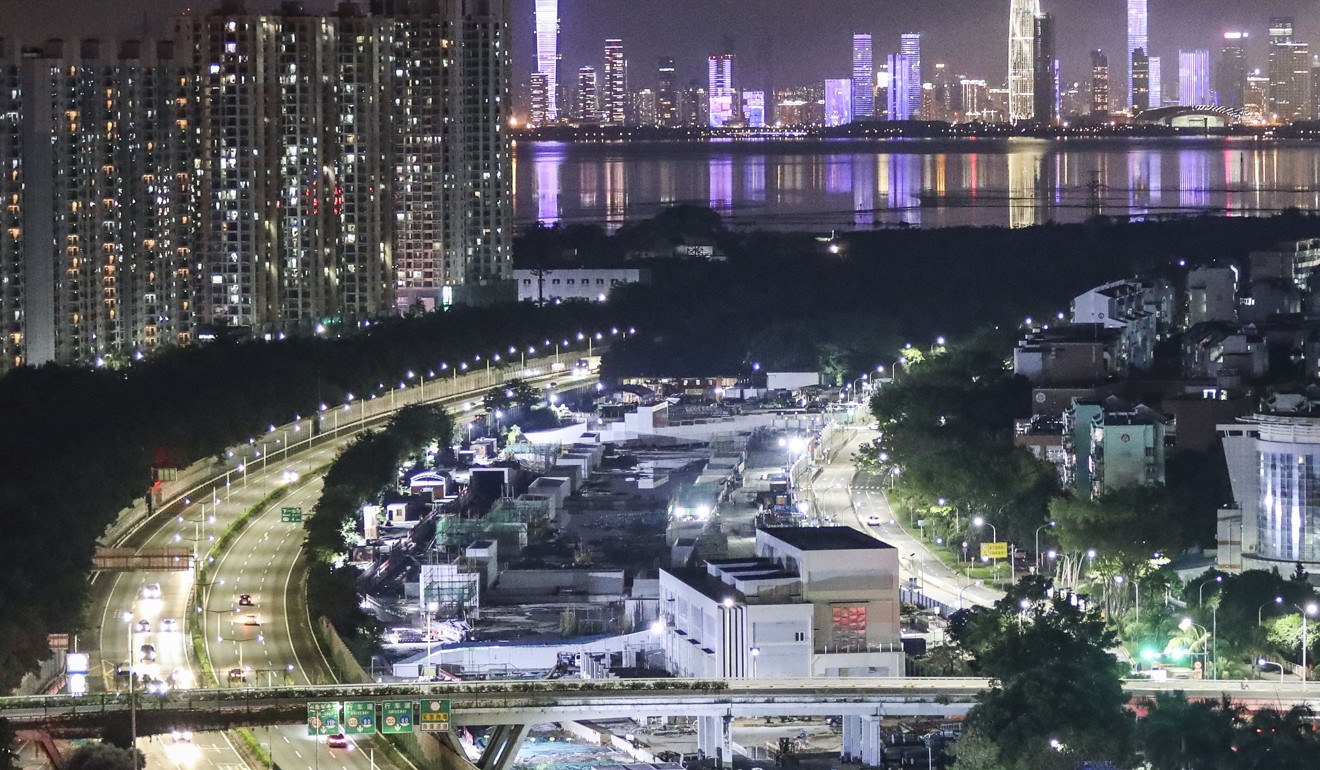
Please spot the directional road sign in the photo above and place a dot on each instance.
(322, 718)
(396, 716)
(359, 717)
(291, 515)
(994, 550)
(434, 717)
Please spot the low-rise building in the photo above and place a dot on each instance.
(1210, 349)
(811, 602)
(1111, 445)
(582, 283)
(1070, 353)
(1212, 295)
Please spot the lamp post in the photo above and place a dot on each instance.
(1036, 553)
(1309, 610)
(964, 588)
(920, 567)
(1259, 617)
(1200, 591)
(1263, 663)
(756, 653)
(979, 521)
(132, 684)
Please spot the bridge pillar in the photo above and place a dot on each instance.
(714, 739)
(852, 737)
(502, 747)
(873, 751)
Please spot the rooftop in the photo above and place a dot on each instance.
(826, 538)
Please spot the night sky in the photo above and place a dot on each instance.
(776, 41)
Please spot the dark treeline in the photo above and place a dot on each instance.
(77, 445)
(787, 301)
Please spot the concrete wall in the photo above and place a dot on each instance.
(548, 582)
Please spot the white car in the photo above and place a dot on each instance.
(169, 625)
(151, 591)
(873, 519)
(181, 736)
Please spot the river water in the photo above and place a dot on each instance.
(851, 184)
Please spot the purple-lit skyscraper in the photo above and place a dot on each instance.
(838, 102)
(1136, 38)
(1194, 77)
(720, 90)
(910, 48)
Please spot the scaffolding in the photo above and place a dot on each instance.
(454, 533)
(450, 589)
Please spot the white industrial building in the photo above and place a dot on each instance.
(812, 602)
(581, 283)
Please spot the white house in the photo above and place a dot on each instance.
(814, 601)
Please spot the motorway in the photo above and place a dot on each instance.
(853, 503)
(274, 646)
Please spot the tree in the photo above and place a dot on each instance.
(1126, 525)
(8, 737)
(976, 751)
(1053, 678)
(1177, 734)
(103, 756)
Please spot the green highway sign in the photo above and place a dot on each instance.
(291, 515)
(359, 717)
(434, 717)
(396, 716)
(322, 718)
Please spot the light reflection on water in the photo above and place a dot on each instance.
(842, 184)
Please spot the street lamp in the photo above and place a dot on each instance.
(1200, 591)
(921, 568)
(979, 521)
(1309, 610)
(1263, 663)
(1036, 553)
(1261, 609)
(964, 588)
(756, 653)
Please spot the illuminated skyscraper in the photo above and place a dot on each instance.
(1156, 82)
(863, 77)
(1289, 74)
(900, 106)
(720, 90)
(753, 108)
(666, 94)
(547, 53)
(1099, 83)
(1136, 38)
(537, 102)
(1022, 74)
(1193, 77)
(1045, 90)
(838, 102)
(1231, 75)
(1139, 66)
(588, 96)
(615, 97)
(910, 47)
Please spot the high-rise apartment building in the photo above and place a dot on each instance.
(1231, 74)
(720, 91)
(537, 99)
(694, 108)
(666, 94)
(1289, 74)
(1045, 89)
(264, 172)
(1099, 83)
(644, 108)
(1022, 68)
(1139, 67)
(12, 232)
(975, 99)
(614, 96)
(1193, 77)
(588, 96)
(1137, 39)
(547, 53)
(863, 77)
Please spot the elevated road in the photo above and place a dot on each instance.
(516, 703)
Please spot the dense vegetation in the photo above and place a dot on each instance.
(786, 301)
(1056, 701)
(356, 477)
